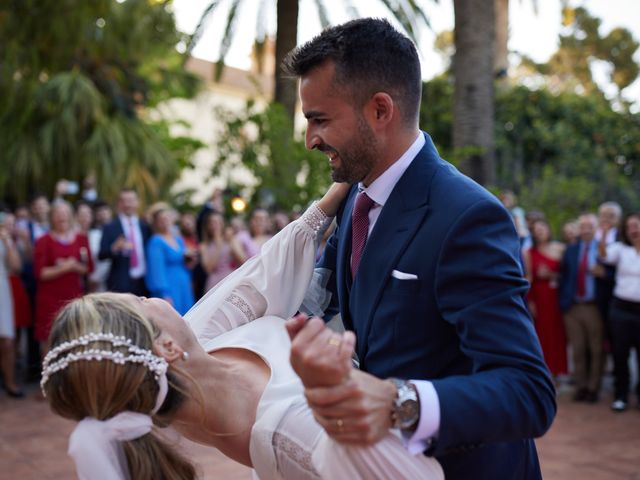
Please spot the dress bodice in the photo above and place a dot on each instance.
(266, 337)
(174, 255)
(246, 311)
(540, 260)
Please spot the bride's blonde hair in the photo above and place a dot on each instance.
(102, 389)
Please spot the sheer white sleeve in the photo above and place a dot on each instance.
(317, 297)
(272, 283)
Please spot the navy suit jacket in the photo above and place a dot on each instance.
(569, 276)
(118, 279)
(462, 323)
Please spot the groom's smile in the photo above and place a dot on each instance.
(336, 127)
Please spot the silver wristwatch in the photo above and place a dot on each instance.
(406, 406)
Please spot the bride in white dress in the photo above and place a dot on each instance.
(230, 382)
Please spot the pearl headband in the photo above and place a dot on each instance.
(95, 445)
(155, 364)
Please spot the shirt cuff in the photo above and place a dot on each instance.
(429, 422)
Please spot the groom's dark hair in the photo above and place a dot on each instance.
(370, 56)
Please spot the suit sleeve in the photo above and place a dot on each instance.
(480, 290)
(564, 293)
(106, 241)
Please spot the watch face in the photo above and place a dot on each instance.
(407, 406)
(408, 413)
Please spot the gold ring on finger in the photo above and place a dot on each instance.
(334, 341)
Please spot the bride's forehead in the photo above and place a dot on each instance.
(160, 313)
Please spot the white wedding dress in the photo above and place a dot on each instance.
(246, 310)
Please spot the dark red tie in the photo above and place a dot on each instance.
(359, 229)
(581, 287)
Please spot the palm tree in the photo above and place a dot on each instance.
(473, 110)
(408, 13)
(76, 82)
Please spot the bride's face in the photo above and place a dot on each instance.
(165, 318)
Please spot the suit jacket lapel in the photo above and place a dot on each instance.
(393, 231)
(400, 218)
(343, 260)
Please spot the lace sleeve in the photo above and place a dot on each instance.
(271, 283)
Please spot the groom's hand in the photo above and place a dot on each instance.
(320, 356)
(358, 411)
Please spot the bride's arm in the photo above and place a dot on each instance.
(331, 200)
(273, 282)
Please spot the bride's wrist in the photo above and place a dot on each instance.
(330, 202)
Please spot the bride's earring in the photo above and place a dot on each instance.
(185, 356)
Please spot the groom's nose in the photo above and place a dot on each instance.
(311, 140)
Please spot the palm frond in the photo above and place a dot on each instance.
(400, 15)
(261, 35)
(416, 10)
(201, 27)
(261, 20)
(322, 13)
(227, 38)
(105, 153)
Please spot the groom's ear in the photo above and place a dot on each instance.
(381, 109)
(166, 347)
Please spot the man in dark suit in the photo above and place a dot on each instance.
(123, 242)
(579, 303)
(423, 266)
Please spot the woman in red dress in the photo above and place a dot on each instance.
(542, 262)
(61, 260)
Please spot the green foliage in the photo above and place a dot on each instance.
(78, 78)
(285, 174)
(563, 154)
(436, 113)
(569, 69)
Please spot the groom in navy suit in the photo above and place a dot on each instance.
(423, 267)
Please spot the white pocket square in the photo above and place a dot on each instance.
(403, 276)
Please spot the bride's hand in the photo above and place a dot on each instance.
(319, 356)
(331, 200)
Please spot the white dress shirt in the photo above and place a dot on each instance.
(627, 261)
(141, 269)
(379, 191)
(612, 234)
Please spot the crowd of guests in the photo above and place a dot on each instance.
(585, 295)
(585, 288)
(52, 252)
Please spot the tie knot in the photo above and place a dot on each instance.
(363, 204)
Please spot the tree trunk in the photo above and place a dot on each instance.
(473, 109)
(286, 40)
(501, 60)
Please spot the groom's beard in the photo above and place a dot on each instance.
(357, 158)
